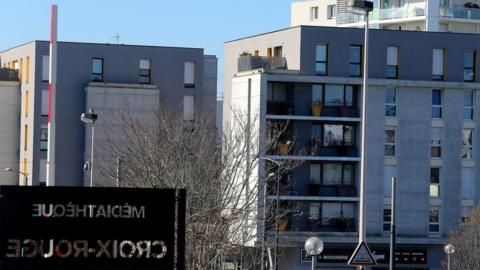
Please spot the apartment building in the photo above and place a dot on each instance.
(108, 78)
(461, 16)
(423, 124)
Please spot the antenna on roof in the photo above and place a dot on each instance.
(116, 37)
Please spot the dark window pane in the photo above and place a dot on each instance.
(355, 70)
(321, 53)
(333, 95)
(390, 98)
(392, 72)
(317, 93)
(434, 228)
(436, 97)
(391, 110)
(348, 135)
(468, 59)
(468, 99)
(97, 66)
(436, 151)
(436, 112)
(390, 136)
(435, 175)
(97, 77)
(389, 150)
(468, 74)
(333, 135)
(317, 132)
(321, 68)
(467, 113)
(144, 79)
(355, 54)
(349, 95)
(144, 72)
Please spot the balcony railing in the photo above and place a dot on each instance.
(410, 11)
(325, 224)
(460, 13)
(280, 107)
(7, 74)
(249, 62)
(338, 190)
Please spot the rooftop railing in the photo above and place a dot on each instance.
(249, 62)
(7, 74)
(460, 12)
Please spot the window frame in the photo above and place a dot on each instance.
(359, 64)
(325, 62)
(345, 86)
(437, 106)
(472, 68)
(438, 77)
(388, 104)
(97, 77)
(390, 144)
(42, 140)
(314, 13)
(433, 223)
(185, 83)
(471, 107)
(435, 182)
(468, 147)
(436, 144)
(146, 76)
(395, 67)
(344, 181)
(342, 143)
(331, 12)
(387, 214)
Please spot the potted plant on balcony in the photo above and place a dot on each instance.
(344, 110)
(285, 141)
(313, 222)
(245, 53)
(282, 223)
(316, 108)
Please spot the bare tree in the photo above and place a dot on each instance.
(223, 182)
(467, 243)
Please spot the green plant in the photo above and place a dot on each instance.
(245, 53)
(286, 136)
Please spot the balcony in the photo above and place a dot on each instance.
(280, 107)
(460, 13)
(338, 190)
(410, 11)
(249, 62)
(339, 224)
(7, 74)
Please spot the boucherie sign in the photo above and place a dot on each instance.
(91, 228)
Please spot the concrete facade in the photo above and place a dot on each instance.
(413, 126)
(413, 15)
(120, 65)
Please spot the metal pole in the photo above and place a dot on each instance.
(448, 258)
(313, 261)
(276, 217)
(91, 155)
(392, 225)
(363, 162)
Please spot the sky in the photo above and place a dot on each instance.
(187, 23)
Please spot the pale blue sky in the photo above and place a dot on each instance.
(188, 23)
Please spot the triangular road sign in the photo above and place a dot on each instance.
(362, 256)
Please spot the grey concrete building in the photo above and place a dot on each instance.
(422, 127)
(100, 75)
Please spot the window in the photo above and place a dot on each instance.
(25, 141)
(387, 219)
(269, 52)
(467, 184)
(388, 173)
(189, 74)
(332, 174)
(338, 135)
(44, 108)
(45, 67)
(20, 71)
(188, 108)
(97, 70)
(438, 64)
(321, 60)
(26, 103)
(256, 53)
(434, 220)
(278, 51)
(465, 213)
(27, 67)
(44, 138)
(144, 71)
(436, 143)
(434, 182)
(390, 102)
(331, 11)
(313, 13)
(469, 66)
(437, 104)
(392, 62)
(468, 105)
(333, 95)
(390, 143)
(467, 145)
(355, 61)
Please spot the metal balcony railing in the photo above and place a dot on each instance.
(385, 14)
(460, 13)
(7, 74)
(249, 62)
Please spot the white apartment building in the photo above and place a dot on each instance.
(462, 16)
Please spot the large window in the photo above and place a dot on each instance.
(333, 95)
(144, 71)
(469, 66)
(321, 60)
(189, 75)
(434, 221)
(44, 138)
(45, 67)
(468, 105)
(392, 62)
(97, 70)
(332, 173)
(438, 64)
(188, 108)
(434, 182)
(436, 143)
(338, 135)
(389, 142)
(391, 102)
(355, 61)
(467, 143)
(436, 104)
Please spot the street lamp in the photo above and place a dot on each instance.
(449, 250)
(275, 266)
(365, 7)
(19, 172)
(90, 118)
(314, 246)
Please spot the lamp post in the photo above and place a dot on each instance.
(275, 266)
(314, 246)
(449, 250)
(90, 118)
(19, 172)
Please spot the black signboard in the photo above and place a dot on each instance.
(381, 255)
(91, 228)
